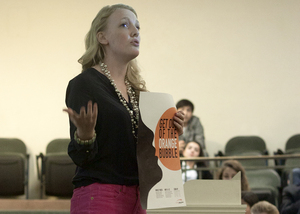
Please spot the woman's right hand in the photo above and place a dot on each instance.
(85, 121)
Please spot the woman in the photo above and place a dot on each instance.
(229, 169)
(103, 143)
(192, 150)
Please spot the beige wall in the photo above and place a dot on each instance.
(237, 60)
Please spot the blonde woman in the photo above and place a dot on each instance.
(103, 109)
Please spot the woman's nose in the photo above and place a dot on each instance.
(135, 32)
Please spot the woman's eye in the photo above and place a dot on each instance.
(138, 27)
(124, 25)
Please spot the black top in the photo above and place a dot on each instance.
(111, 159)
(291, 200)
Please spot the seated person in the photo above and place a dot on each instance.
(291, 194)
(249, 198)
(192, 128)
(193, 149)
(229, 169)
(264, 207)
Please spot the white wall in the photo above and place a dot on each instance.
(237, 60)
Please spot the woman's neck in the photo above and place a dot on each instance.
(117, 72)
(191, 164)
(117, 69)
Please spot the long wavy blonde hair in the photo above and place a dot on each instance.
(95, 51)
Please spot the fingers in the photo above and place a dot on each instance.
(180, 114)
(69, 111)
(92, 110)
(82, 112)
(84, 117)
(179, 128)
(95, 112)
(89, 109)
(178, 122)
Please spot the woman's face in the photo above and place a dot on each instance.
(121, 38)
(228, 173)
(192, 149)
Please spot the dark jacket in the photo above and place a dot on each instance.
(290, 200)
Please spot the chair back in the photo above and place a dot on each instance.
(12, 145)
(247, 146)
(57, 169)
(293, 144)
(265, 179)
(239, 144)
(59, 145)
(252, 162)
(13, 167)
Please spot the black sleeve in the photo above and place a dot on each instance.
(78, 94)
(289, 205)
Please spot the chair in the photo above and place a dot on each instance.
(240, 144)
(292, 146)
(14, 165)
(247, 146)
(57, 170)
(264, 181)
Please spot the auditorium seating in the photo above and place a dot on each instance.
(247, 146)
(56, 170)
(292, 146)
(14, 162)
(265, 182)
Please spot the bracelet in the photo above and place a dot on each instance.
(84, 142)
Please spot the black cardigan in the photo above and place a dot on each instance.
(111, 159)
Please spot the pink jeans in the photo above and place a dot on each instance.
(107, 199)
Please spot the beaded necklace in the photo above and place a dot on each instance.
(134, 115)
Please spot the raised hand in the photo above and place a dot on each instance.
(85, 121)
(178, 122)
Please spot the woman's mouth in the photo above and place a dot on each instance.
(135, 42)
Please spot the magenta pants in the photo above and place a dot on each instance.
(107, 199)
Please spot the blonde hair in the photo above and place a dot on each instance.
(236, 166)
(95, 51)
(264, 207)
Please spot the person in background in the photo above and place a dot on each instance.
(249, 198)
(291, 194)
(103, 142)
(192, 127)
(193, 149)
(264, 207)
(229, 169)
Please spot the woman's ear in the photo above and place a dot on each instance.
(101, 38)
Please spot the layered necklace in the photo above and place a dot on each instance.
(134, 114)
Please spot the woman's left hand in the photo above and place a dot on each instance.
(178, 122)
